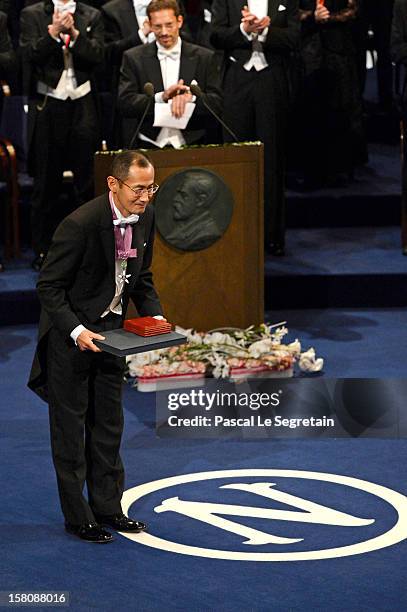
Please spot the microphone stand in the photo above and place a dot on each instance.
(149, 91)
(197, 91)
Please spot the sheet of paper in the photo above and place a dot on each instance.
(164, 118)
(258, 7)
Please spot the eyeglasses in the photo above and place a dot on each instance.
(157, 29)
(139, 191)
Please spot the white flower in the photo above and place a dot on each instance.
(260, 347)
(221, 370)
(308, 363)
(279, 334)
(221, 367)
(137, 361)
(221, 350)
(191, 334)
(219, 338)
(295, 347)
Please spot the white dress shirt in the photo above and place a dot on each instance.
(257, 59)
(115, 305)
(67, 85)
(170, 60)
(140, 8)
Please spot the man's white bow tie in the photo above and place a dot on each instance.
(62, 7)
(171, 54)
(130, 220)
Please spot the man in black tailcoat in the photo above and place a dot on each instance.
(376, 16)
(8, 63)
(125, 29)
(6, 51)
(257, 44)
(84, 288)
(61, 44)
(126, 26)
(171, 65)
(399, 34)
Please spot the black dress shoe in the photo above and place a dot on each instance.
(36, 263)
(121, 522)
(90, 532)
(1, 266)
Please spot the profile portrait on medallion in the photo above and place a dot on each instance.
(194, 208)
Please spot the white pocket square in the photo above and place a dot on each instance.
(282, 7)
(145, 244)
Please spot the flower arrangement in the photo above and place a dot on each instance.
(223, 353)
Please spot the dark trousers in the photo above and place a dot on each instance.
(255, 108)
(86, 424)
(65, 138)
(377, 15)
(403, 134)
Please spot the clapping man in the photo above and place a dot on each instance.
(257, 40)
(171, 65)
(62, 44)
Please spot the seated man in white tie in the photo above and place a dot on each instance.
(170, 65)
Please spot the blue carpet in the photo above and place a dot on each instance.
(18, 298)
(372, 198)
(331, 251)
(352, 267)
(355, 343)
(38, 555)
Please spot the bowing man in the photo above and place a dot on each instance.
(99, 259)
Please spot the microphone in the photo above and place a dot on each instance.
(149, 91)
(197, 91)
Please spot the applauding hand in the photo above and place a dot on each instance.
(321, 13)
(252, 24)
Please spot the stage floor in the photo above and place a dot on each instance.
(127, 575)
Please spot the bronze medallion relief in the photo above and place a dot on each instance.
(193, 209)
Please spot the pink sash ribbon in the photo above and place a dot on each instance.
(123, 248)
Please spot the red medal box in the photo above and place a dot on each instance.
(147, 326)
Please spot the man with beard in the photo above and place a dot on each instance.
(171, 65)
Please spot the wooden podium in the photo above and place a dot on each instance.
(222, 285)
